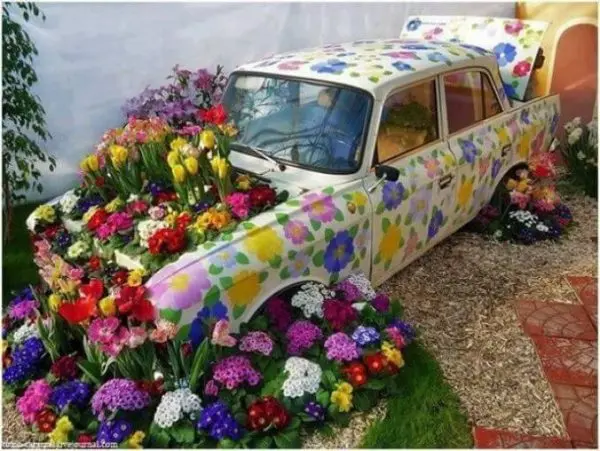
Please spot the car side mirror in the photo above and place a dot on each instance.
(388, 173)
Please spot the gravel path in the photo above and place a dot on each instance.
(462, 295)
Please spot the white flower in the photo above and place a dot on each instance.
(174, 405)
(569, 127)
(24, 332)
(574, 136)
(580, 155)
(576, 121)
(68, 202)
(363, 284)
(304, 376)
(78, 249)
(310, 299)
(542, 227)
(133, 198)
(147, 228)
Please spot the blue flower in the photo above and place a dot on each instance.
(496, 166)
(413, 25)
(435, 223)
(114, 431)
(315, 410)
(509, 90)
(525, 117)
(402, 66)
(217, 420)
(364, 336)
(407, 331)
(393, 193)
(439, 57)
(469, 150)
(505, 53)
(331, 66)
(75, 393)
(215, 312)
(63, 239)
(339, 252)
(416, 47)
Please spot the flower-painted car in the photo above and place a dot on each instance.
(347, 158)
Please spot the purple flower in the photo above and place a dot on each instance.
(469, 150)
(496, 166)
(211, 388)
(407, 331)
(381, 303)
(257, 341)
(348, 291)
(339, 252)
(364, 336)
(341, 347)
(319, 207)
(315, 410)
(114, 431)
(23, 309)
(234, 371)
(116, 395)
(299, 264)
(302, 335)
(505, 53)
(217, 420)
(296, 231)
(25, 361)
(74, 393)
(393, 193)
(419, 204)
(435, 223)
(279, 313)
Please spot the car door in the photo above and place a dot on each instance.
(479, 134)
(408, 147)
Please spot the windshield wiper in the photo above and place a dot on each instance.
(261, 153)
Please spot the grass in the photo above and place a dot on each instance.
(18, 269)
(426, 414)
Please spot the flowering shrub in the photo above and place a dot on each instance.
(527, 207)
(581, 154)
(139, 383)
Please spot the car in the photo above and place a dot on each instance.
(385, 146)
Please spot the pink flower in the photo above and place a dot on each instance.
(105, 231)
(211, 388)
(514, 28)
(432, 166)
(239, 204)
(165, 330)
(134, 337)
(157, 212)
(137, 207)
(34, 400)
(220, 335)
(75, 273)
(103, 330)
(112, 348)
(522, 68)
(396, 336)
(121, 221)
(296, 231)
(519, 199)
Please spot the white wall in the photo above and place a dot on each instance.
(94, 56)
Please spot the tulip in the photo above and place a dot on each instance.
(173, 158)
(178, 173)
(207, 139)
(220, 167)
(191, 164)
(118, 155)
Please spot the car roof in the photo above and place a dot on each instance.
(372, 65)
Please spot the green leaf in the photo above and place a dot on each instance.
(284, 273)
(375, 384)
(339, 216)
(226, 282)
(263, 442)
(385, 224)
(183, 433)
(353, 230)
(293, 203)
(310, 236)
(318, 258)
(170, 315)
(329, 190)
(247, 225)
(241, 258)
(238, 311)
(215, 270)
(183, 332)
(275, 262)
(282, 218)
(316, 225)
(363, 401)
(199, 363)
(288, 440)
(262, 276)
(212, 296)
(329, 234)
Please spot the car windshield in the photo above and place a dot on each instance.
(298, 122)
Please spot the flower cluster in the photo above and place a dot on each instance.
(341, 347)
(174, 405)
(257, 341)
(27, 330)
(301, 336)
(356, 373)
(362, 282)
(75, 393)
(339, 314)
(114, 431)
(279, 313)
(310, 299)
(266, 412)
(315, 410)
(581, 154)
(364, 336)
(342, 396)
(25, 360)
(234, 371)
(118, 395)
(34, 400)
(217, 420)
(304, 376)
(61, 431)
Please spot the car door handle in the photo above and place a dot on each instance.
(506, 149)
(445, 181)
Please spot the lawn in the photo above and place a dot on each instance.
(18, 269)
(426, 414)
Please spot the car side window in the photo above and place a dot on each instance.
(408, 120)
(470, 98)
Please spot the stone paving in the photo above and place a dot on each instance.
(566, 340)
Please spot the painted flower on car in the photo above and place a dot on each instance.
(296, 231)
(505, 53)
(435, 223)
(264, 243)
(339, 252)
(393, 193)
(331, 66)
(178, 288)
(319, 207)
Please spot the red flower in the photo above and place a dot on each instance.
(137, 207)
(94, 289)
(45, 420)
(214, 115)
(153, 388)
(183, 220)
(99, 181)
(167, 240)
(165, 197)
(522, 68)
(376, 363)
(120, 277)
(261, 195)
(50, 232)
(338, 313)
(94, 263)
(356, 373)
(266, 412)
(78, 311)
(98, 218)
(65, 368)
(187, 349)
(132, 301)
(85, 438)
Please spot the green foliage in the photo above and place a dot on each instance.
(23, 122)
(580, 153)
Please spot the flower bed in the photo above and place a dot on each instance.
(305, 361)
(526, 208)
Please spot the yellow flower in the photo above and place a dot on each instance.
(88, 214)
(220, 219)
(204, 220)
(464, 193)
(522, 186)
(114, 205)
(220, 166)
(171, 218)
(107, 306)
(118, 155)
(54, 301)
(60, 434)
(4, 346)
(191, 164)
(173, 158)
(359, 199)
(502, 134)
(178, 173)
(390, 242)
(135, 277)
(342, 396)
(46, 213)
(265, 243)
(243, 182)
(228, 130)
(207, 139)
(89, 163)
(67, 286)
(244, 289)
(392, 354)
(177, 144)
(449, 159)
(524, 144)
(135, 441)
(511, 184)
